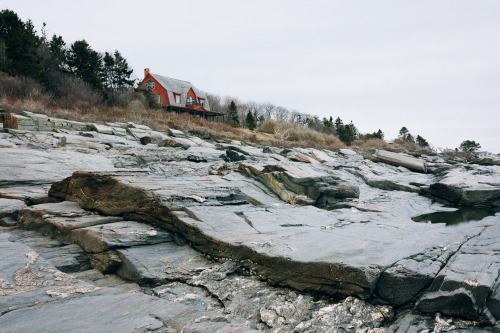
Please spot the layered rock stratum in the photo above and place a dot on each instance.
(118, 228)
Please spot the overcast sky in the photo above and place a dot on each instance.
(432, 66)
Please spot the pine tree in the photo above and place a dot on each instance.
(250, 121)
(339, 128)
(421, 142)
(379, 135)
(403, 133)
(122, 72)
(57, 48)
(18, 47)
(232, 115)
(469, 146)
(350, 133)
(86, 64)
(328, 123)
(108, 71)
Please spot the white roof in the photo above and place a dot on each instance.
(179, 87)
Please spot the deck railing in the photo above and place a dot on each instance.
(194, 103)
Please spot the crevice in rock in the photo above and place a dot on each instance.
(247, 221)
(376, 296)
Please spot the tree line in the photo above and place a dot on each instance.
(62, 69)
(252, 115)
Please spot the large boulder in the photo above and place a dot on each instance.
(466, 186)
(398, 159)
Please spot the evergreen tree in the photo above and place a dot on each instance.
(469, 146)
(116, 72)
(375, 135)
(350, 133)
(18, 47)
(421, 142)
(108, 70)
(86, 64)
(250, 121)
(122, 72)
(346, 133)
(328, 123)
(232, 115)
(260, 119)
(403, 133)
(339, 127)
(57, 49)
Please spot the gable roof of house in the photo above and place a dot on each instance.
(179, 87)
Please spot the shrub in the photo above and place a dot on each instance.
(267, 127)
(21, 87)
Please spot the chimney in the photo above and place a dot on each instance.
(146, 72)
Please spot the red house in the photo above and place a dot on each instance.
(179, 96)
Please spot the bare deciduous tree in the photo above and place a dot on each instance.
(214, 102)
(281, 114)
(268, 110)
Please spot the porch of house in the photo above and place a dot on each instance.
(208, 115)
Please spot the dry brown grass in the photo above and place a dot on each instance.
(291, 134)
(372, 143)
(400, 145)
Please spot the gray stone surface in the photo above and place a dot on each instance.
(398, 159)
(160, 263)
(478, 186)
(337, 225)
(9, 207)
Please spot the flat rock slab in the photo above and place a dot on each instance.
(9, 207)
(321, 156)
(110, 311)
(321, 245)
(34, 167)
(161, 263)
(115, 235)
(30, 194)
(176, 133)
(343, 252)
(65, 208)
(479, 187)
(66, 224)
(66, 258)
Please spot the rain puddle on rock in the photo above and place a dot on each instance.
(457, 216)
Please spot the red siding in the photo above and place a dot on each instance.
(157, 90)
(192, 94)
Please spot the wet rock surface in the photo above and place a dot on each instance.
(137, 230)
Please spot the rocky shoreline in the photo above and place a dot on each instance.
(232, 237)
